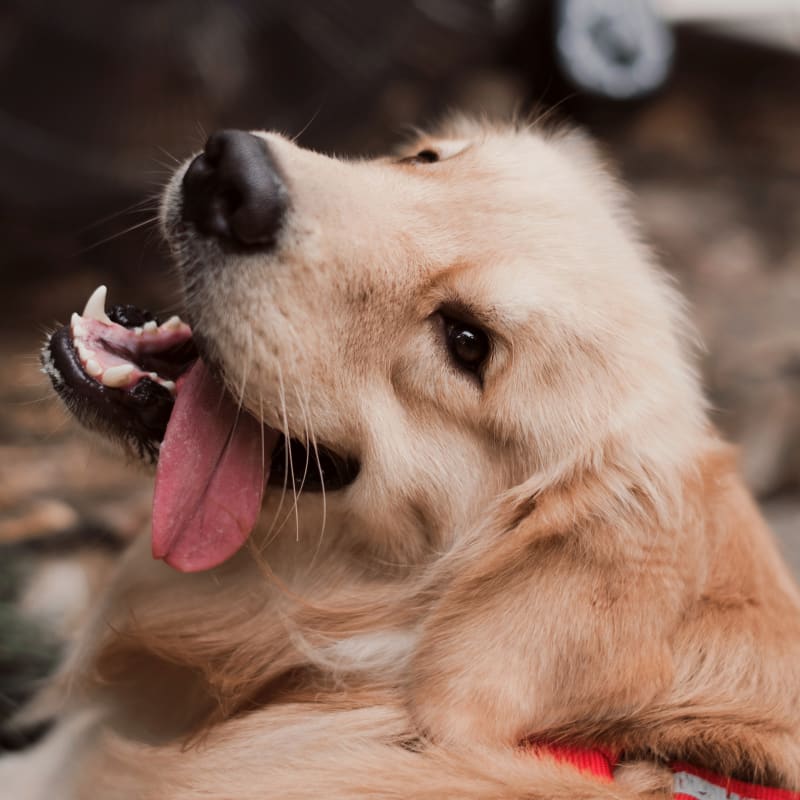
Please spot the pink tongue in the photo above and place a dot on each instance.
(211, 474)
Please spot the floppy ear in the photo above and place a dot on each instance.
(561, 610)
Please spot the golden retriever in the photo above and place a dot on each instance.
(498, 519)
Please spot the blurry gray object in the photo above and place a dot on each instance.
(775, 23)
(623, 49)
(620, 49)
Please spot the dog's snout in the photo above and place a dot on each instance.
(233, 190)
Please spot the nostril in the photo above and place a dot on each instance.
(217, 217)
(204, 201)
(233, 190)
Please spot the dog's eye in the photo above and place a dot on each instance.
(423, 157)
(426, 156)
(468, 344)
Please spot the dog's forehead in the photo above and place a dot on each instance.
(510, 221)
(509, 197)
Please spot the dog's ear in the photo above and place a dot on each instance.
(559, 610)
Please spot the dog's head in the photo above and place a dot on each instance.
(425, 331)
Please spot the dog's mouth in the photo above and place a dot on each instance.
(143, 381)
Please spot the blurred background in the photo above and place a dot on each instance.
(697, 102)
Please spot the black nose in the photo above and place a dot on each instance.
(232, 190)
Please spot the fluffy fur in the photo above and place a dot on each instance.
(564, 552)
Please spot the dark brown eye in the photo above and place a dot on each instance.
(426, 156)
(423, 157)
(468, 344)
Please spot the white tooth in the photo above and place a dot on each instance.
(117, 376)
(170, 385)
(173, 322)
(84, 352)
(151, 325)
(78, 329)
(96, 306)
(138, 331)
(93, 368)
(152, 375)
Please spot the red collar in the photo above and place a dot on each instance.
(689, 783)
(597, 762)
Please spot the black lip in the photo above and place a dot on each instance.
(138, 415)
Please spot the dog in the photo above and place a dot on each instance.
(437, 498)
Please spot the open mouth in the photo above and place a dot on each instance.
(134, 378)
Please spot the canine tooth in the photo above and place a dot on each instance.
(138, 331)
(174, 322)
(75, 319)
(96, 305)
(169, 385)
(93, 368)
(115, 377)
(150, 325)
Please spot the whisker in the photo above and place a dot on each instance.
(237, 417)
(324, 499)
(304, 409)
(173, 159)
(545, 114)
(158, 178)
(263, 443)
(139, 207)
(295, 490)
(148, 221)
(153, 235)
(305, 127)
(228, 442)
(291, 464)
(201, 130)
(239, 403)
(299, 491)
(49, 397)
(286, 456)
(248, 362)
(165, 169)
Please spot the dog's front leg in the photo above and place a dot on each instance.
(542, 634)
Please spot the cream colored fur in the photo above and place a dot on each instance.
(564, 553)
